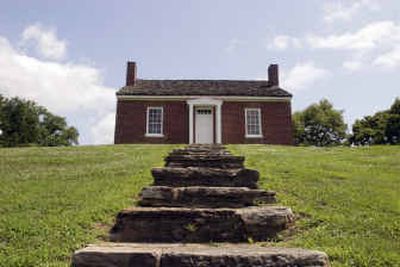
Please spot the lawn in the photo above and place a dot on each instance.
(56, 200)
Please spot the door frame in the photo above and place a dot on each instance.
(205, 101)
(212, 122)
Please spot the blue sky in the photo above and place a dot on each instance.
(70, 55)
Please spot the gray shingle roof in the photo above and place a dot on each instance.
(203, 88)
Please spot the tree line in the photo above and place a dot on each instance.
(25, 123)
(322, 125)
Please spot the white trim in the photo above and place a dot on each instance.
(259, 122)
(147, 134)
(189, 98)
(191, 124)
(204, 101)
(253, 136)
(153, 135)
(218, 124)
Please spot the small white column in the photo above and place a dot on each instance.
(191, 124)
(218, 123)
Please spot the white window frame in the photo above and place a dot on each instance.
(259, 122)
(147, 122)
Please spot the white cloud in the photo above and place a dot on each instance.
(233, 44)
(103, 131)
(352, 65)
(303, 75)
(283, 42)
(346, 10)
(376, 43)
(390, 59)
(368, 37)
(72, 90)
(45, 42)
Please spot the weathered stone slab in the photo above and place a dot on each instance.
(200, 225)
(204, 160)
(201, 149)
(214, 156)
(201, 176)
(183, 255)
(207, 161)
(115, 255)
(205, 197)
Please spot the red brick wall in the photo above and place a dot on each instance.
(131, 122)
(276, 123)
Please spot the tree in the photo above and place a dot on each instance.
(381, 128)
(370, 130)
(392, 130)
(320, 125)
(23, 123)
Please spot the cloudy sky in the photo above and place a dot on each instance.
(70, 56)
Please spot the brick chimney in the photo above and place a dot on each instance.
(130, 73)
(273, 74)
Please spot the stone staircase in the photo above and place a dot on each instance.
(204, 209)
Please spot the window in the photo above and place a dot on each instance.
(203, 111)
(253, 122)
(154, 121)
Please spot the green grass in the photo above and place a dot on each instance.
(56, 200)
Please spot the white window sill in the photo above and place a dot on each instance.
(253, 136)
(153, 135)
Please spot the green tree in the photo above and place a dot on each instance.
(23, 123)
(370, 129)
(392, 130)
(381, 128)
(319, 125)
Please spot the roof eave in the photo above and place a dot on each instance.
(188, 97)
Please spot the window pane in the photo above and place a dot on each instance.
(154, 123)
(253, 122)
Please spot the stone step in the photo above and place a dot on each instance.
(204, 197)
(201, 148)
(202, 176)
(224, 161)
(200, 225)
(184, 255)
(195, 150)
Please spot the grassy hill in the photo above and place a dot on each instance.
(56, 200)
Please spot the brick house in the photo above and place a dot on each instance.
(203, 111)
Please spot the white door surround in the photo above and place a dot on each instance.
(204, 125)
(198, 103)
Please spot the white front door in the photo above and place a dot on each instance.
(204, 128)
